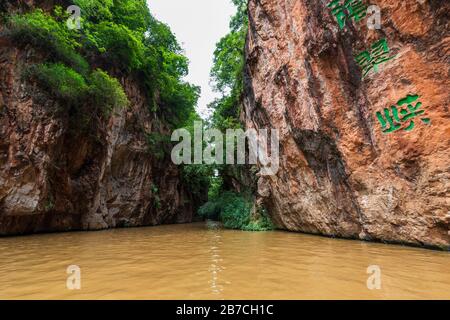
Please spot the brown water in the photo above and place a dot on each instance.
(200, 261)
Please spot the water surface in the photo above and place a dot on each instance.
(201, 261)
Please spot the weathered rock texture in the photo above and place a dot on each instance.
(56, 178)
(340, 175)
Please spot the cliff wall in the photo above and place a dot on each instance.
(55, 176)
(340, 174)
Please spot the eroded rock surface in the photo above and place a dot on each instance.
(54, 177)
(339, 174)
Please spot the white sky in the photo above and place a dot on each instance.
(198, 26)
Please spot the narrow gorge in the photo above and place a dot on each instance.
(224, 150)
(342, 172)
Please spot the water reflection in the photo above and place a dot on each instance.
(203, 261)
(215, 267)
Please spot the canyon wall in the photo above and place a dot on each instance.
(340, 174)
(54, 177)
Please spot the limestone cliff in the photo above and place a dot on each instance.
(54, 177)
(340, 174)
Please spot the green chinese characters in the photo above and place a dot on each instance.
(355, 9)
(393, 120)
(378, 54)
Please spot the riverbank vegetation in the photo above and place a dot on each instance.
(236, 210)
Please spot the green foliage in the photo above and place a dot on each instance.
(197, 177)
(120, 36)
(131, 13)
(158, 145)
(127, 39)
(61, 81)
(227, 71)
(125, 34)
(156, 197)
(68, 79)
(226, 112)
(45, 32)
(215, 187)
(235, 211)
(106, 92)
(118, 44)
(240, 19)
(164, 57)
(229, 61)
(160, 37)
(95, 10)
(176, 96)
(210, 210)
(98, 89)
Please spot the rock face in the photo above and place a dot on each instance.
(55, 178)
(340, 175)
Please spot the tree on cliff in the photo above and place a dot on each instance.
(227, 71)
(120, 37)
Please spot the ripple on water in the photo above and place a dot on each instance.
(203, 261)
